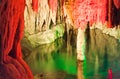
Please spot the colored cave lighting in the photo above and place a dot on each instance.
(35, 5)
(93, 11)
(53, 5)
(110, 74)
(89, 10)
(117, 3)
(12, 66)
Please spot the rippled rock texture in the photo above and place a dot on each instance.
(12, 66)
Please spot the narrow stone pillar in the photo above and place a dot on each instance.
(81, 44)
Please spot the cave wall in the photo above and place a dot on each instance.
(89, 11)
(41, 15)
(95, 11)
(117, 3)
(12, 66)
(44, 15)
(43, 18)
(77, 13)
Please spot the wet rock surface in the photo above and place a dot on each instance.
(114, 32)
(102, 54)
(44, 37)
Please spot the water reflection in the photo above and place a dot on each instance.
(56, 61)
(102, 55)
(80, 73)
(110, 74)
(53, 61)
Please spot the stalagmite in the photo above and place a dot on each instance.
(90, 11)
(85, 11)
(81, 42)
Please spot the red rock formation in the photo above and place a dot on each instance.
(117, 3)
(110, 13)
(53, 5)
(113, 13)
(12, 66)
(35, 5)
(89, 10)
(96, 11)
(53, 9)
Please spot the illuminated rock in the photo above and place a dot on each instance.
(46, 36)
(89, 11)
(81, 42)
(39, 19)
(117, 3)
(12, 66)
(53, 9)
(35, 5)
(39, 23)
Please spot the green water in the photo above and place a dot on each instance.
(57, 60)
(54, 58)
(102, 54)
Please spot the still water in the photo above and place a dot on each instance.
(57, 60)
(53, 61)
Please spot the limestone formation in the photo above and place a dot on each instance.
(41, 26)
(37, 21)
(12, 66)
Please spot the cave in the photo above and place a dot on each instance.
(59, 39)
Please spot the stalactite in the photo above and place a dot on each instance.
(35, 5)
(12, 66)
(60, 11)
(113, 13)
(89, 11)
(116, 13)
(44, 16)
(117, 3)
(53, 9)
(110, 10)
